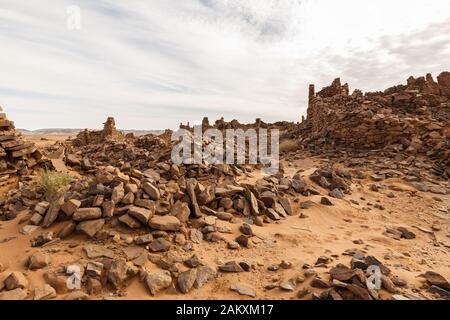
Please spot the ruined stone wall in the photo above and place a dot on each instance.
(221, 124)
(109, 132)
(15, 152)
(413, 117)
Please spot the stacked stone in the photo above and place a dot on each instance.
(414, 118)
(108, 133)
(13, 149)
(153, 198)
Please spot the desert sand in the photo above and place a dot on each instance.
(322, 231)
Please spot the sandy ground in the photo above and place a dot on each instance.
(324, 230)
(44, 140)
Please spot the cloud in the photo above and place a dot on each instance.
(153, 64)
(393, 58)
(264, 21)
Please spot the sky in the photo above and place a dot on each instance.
(153, 64)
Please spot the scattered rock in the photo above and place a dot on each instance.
(67, 229)
(440, 292)
(52, 213)
(130, 222)
(286, 264)
(435, 279)
(233, 245)
(42, 239)
(195, 235)
(165, 223)
(246, 229)
(181, 211)
(84, 214)
(45, 293)
(243, 241)
(231, 266)
(144, 239)
(243, 289)
(204, 274)
(56, 281)
(193, 262)
(325, 201)
(152, 191)
(95, 252)
(322, 260)
(303, 293)
(186, 280)
(406, 234)
(28, 229)
(387, 284)
(118, 273)
(94, 269)
(158, 281)
(76, 296)
(289, 285)
(91, 227)
(274, 267)
(38, 261)
(307, 204)
(16, 280)
(16, 294)
(336, 193)
(70, 206)
(141, 214)
(319, 283)
(159, 245)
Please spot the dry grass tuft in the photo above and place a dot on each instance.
(51, 181)
(289, 146)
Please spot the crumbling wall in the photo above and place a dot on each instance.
(414, 118)
(16, 154)
(109, 133)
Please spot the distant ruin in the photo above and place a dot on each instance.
(108, 133)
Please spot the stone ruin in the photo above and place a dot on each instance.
(412, 118)
(16, 154)
(109, 133)
(221, 124)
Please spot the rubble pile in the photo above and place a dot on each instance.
(407, 122)
(409, 116)
(109, 133)
(16, 154)
(161, 210)
(141, 199)
(92, 149)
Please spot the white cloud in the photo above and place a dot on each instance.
(153, 64)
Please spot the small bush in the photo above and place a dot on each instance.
(51, 181)
(288, 146)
